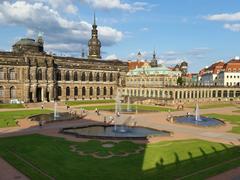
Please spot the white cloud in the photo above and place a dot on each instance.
(232, 27)
(174, 57)
(227, 17)
(144, 55)
(144, 29)
(111, 57)
(118, 4)
(71, 9)
(173, 62)
(66, 6)
(39, 17)
(224, 17)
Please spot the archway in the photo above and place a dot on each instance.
(39, 94)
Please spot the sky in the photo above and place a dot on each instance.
(200, 32)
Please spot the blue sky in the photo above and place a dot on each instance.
(198, 31)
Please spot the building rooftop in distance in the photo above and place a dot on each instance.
(161, 70)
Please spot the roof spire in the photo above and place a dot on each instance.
(154, 54)
(94, 20)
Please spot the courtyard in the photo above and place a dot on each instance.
(44, 153)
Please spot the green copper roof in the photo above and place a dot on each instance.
(161, 70)
(26, 41)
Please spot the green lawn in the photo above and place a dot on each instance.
(132, 107)
(233, 119)
(163, 160)
(11, 106)
(237, 111)
(8, 118)
(214, 105)
(83, 102)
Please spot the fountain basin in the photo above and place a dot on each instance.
(100, 131)
(50, 117)
(203, 122)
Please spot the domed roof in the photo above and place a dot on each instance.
(27, 41)
(162, 70)
(184, 63)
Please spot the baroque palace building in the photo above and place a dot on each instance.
(159, 85)
(29, 74)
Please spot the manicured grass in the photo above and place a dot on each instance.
(163, 160)
(11, 106)
(8, 118)
(132, 107)
(118, 148)
(76, 103)
(233, 119)
(213, 105)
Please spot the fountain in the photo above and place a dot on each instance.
(55, 115)
(198, 120)
(197, 115)
(99, 131)
(118, 103)
(128, 105)
(119, 130)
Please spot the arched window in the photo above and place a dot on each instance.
(90, 91)
(67, 78)
(75, 76)
(83, 91)
(214, 94)
(68, 91)
(59, 91)
(104, 77)
(180, 94)
(111, 91)
(219, 93)
(12, 75)
(76, 91)
(110, 77)
(176, 94)
(83, 77)
(97, 77)
(1, 74)
(39, 74)
(90, 76)
(58, 75)
(104, 91)
(1, 91)
(12, 92)
(98, 91)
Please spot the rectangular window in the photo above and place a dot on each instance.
(12, 76)
(1, 75)
(1, 93)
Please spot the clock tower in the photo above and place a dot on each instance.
(94, 43)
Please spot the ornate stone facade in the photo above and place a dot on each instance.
(34, 77)
(29, 74)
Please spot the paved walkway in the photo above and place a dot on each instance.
(233, 174)
(8, 172)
